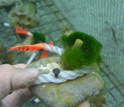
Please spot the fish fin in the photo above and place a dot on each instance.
(20, 30)
(44, 54)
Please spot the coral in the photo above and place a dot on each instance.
(67, 93)
(23, 15)
(38, 37)
(86, 55)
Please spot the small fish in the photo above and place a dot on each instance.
(32, 47)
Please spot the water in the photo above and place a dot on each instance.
(101, 19)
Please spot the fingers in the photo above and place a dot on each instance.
(20, 66)
(12, 78)
(17, 98)
(22, 78)
(84, 104)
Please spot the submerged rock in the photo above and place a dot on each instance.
(23, 15)
(69, 93)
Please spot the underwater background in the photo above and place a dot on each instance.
(102, 19)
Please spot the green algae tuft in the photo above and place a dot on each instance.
(86, 55)
(38, 37)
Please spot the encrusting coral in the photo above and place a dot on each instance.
(23, 15)
(69, 93)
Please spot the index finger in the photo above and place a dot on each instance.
(23, 66)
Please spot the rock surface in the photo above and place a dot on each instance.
(70, 93)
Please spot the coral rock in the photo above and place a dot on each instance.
(70, 93)
(23, 15)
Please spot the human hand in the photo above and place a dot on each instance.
(16, 77)
(84, 104)
(12, 79)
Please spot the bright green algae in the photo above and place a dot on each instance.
(87, 55)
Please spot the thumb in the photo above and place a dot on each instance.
(12, 78)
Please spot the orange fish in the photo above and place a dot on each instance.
(32, 47)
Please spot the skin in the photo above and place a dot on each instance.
(84, 104)
(16, 79)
